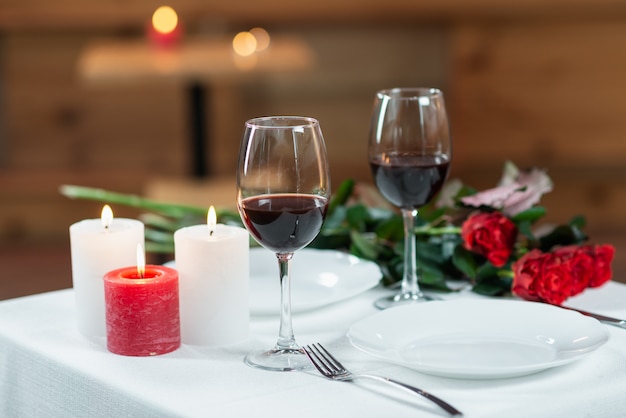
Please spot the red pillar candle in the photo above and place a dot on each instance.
(142, 311)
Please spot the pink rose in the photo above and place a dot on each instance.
(517, 191)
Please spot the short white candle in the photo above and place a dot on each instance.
(97, 247)
(213, 282)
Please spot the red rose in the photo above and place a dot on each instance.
(555, 276)
(525, 270)
(556, 281)
(580, 265)
(603, 257)
(542, 277)
(491, 235)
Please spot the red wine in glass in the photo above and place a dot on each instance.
(284, 223)
(409, 153)
(283, 188)
(409, 180)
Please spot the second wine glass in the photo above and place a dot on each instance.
(283, 185)
(410, 150)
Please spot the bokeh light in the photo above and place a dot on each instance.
(262, 38)
(164, 19)
(244, 44)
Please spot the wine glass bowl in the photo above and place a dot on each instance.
(410, 151)
(283, 187)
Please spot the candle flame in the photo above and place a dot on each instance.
(141, 261)
(106, 216)
(164, 19)
(211, 220)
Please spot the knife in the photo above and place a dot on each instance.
(621, 323)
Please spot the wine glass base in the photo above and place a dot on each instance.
(403, 299)
(279, 360)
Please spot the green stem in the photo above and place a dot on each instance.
(443, 230)
(170, 209)
(506, 273)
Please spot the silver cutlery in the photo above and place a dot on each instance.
(621, 323)
(331, 368)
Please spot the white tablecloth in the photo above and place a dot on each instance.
(47, 369)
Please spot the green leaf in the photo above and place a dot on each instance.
(341, 195)
(433, 279)
(578, 221)
(530, 215)
(362, 246)
(332, 239)
(562, 235)
(429, 250)
(430, 213)
(381, 214)
(429, 266)
(391, 229)
(463, 260)
(357, 216)
(525, 228)
(493, 286)
(391, 270)
(335, 219)
(485, 271)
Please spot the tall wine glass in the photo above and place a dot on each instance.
(410, 149)
(283, 185)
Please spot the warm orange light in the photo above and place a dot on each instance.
(244, 44)
(164, 19)
(211, 220)
(245, 63)
(262, 38)
(106, 216)
(141, 261)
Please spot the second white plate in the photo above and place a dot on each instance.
(318, 278)
(478, 338)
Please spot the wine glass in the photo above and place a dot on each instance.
(283, 187)
(410, 149)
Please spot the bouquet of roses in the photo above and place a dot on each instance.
(548, 268)
(489, 238)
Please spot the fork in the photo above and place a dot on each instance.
(331, 368)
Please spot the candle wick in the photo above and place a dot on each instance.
(211, 232)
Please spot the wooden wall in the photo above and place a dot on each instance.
(537, 82)
(550, 94)
(61, 128)
(57, 130)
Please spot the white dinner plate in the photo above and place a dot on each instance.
(478, 339)
(318, 278)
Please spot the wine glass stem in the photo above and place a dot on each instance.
(286, 339)
(409, 278)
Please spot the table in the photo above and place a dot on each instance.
(199, 62)
(47, 369)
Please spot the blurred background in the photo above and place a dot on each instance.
(90, 95)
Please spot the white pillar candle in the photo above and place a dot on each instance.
(97, 247)
(213, 281)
